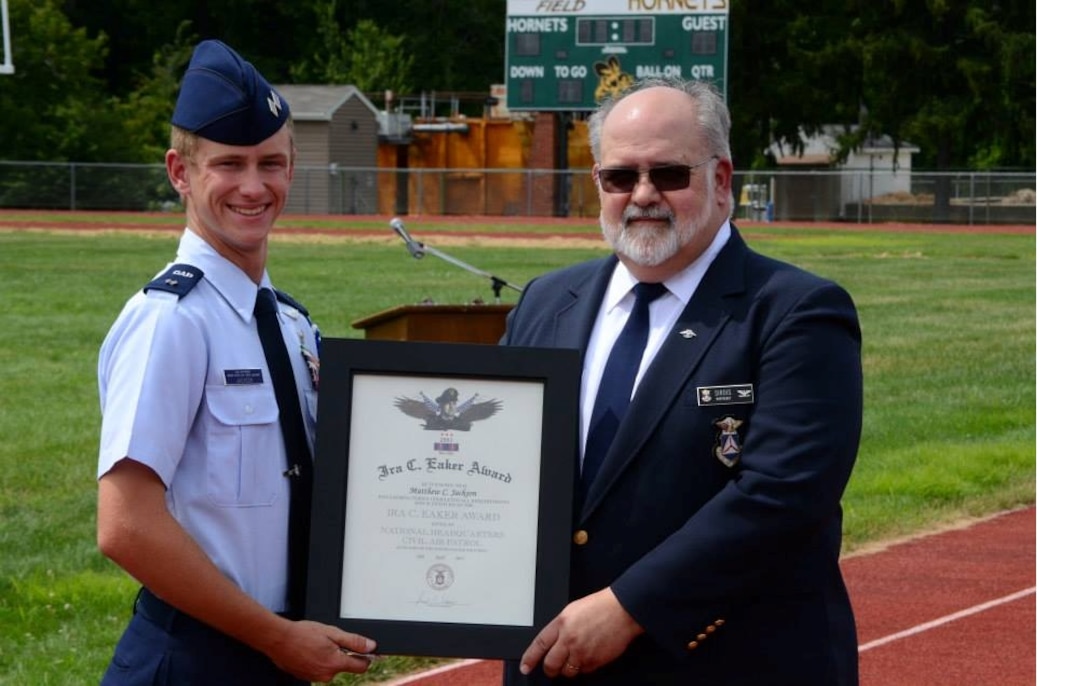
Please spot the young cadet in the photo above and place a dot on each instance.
(208, 385)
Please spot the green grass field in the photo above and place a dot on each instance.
(949, 359)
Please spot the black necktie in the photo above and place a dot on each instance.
(617, 381)
(299, 461)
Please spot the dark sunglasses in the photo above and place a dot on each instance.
(667, 177)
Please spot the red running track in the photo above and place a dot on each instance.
(954, 608)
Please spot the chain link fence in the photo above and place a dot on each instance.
(856, 196)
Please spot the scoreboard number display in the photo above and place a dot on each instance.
(570, 54)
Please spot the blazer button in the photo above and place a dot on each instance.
(701, 637)
(581, 537)
(693, 645)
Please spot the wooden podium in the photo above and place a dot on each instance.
(448, 323)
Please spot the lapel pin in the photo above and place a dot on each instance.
(687, 333)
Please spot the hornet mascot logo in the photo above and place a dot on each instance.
(445, 413)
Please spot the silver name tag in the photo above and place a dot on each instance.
(735, 394)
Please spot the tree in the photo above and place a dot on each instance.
(54, 106)
(956, 77)
(146, 111)
(364, 56)
(789, 73)
(454, 45)
(269, 33)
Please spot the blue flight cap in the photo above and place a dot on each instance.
(224, 99)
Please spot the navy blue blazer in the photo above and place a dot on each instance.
(716, 515)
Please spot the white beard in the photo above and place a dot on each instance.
(650, 246)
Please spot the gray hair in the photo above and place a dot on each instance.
(711, 113)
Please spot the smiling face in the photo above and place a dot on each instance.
(234, 194)
(658, 233)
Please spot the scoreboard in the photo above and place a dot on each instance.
(570, 54)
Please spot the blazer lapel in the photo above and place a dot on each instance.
(699, 325)
(574, 321)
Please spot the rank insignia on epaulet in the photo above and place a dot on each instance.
(288, 300)
(178, 279)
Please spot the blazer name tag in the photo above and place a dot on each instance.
(735, 394)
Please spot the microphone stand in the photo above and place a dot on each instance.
(418, 250)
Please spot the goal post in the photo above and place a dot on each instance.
(6, 67)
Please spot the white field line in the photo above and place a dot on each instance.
(946, 619)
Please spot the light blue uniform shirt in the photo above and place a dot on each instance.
(185, 389)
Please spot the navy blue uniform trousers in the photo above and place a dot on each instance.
(165, 647)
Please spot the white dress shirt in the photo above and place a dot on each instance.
(185, 390)
(616, 307)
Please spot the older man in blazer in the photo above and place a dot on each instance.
(706, 540)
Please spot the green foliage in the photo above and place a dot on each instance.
(789, 72)
(948, 352)
(364, 56)
(146, 111)
(455, 45)
(955, 77)
(52, 107)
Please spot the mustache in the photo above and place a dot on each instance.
(632, 212)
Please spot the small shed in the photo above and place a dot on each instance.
(336, 135)
(822, 190)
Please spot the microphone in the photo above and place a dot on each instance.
(418, 250)
(415, 248)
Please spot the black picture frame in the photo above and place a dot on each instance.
(553, 373)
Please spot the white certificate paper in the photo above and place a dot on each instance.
(442, 500)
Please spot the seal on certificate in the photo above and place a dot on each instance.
(439, 577)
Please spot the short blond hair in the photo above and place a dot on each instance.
(187, 142)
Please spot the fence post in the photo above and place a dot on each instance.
(72, 186)
(989, 195)
(306, 192)
(420, 196)
(529, 182)
(971, 200)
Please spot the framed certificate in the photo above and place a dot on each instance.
(443, 489)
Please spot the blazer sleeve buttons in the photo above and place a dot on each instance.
(699, 638)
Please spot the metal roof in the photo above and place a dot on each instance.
(320, 102)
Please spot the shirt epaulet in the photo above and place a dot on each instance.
(288, 300)
(178, 279)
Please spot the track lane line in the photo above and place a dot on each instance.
(946, 619)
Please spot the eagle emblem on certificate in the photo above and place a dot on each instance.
(448, 412)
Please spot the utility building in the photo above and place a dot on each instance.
(336, 135)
